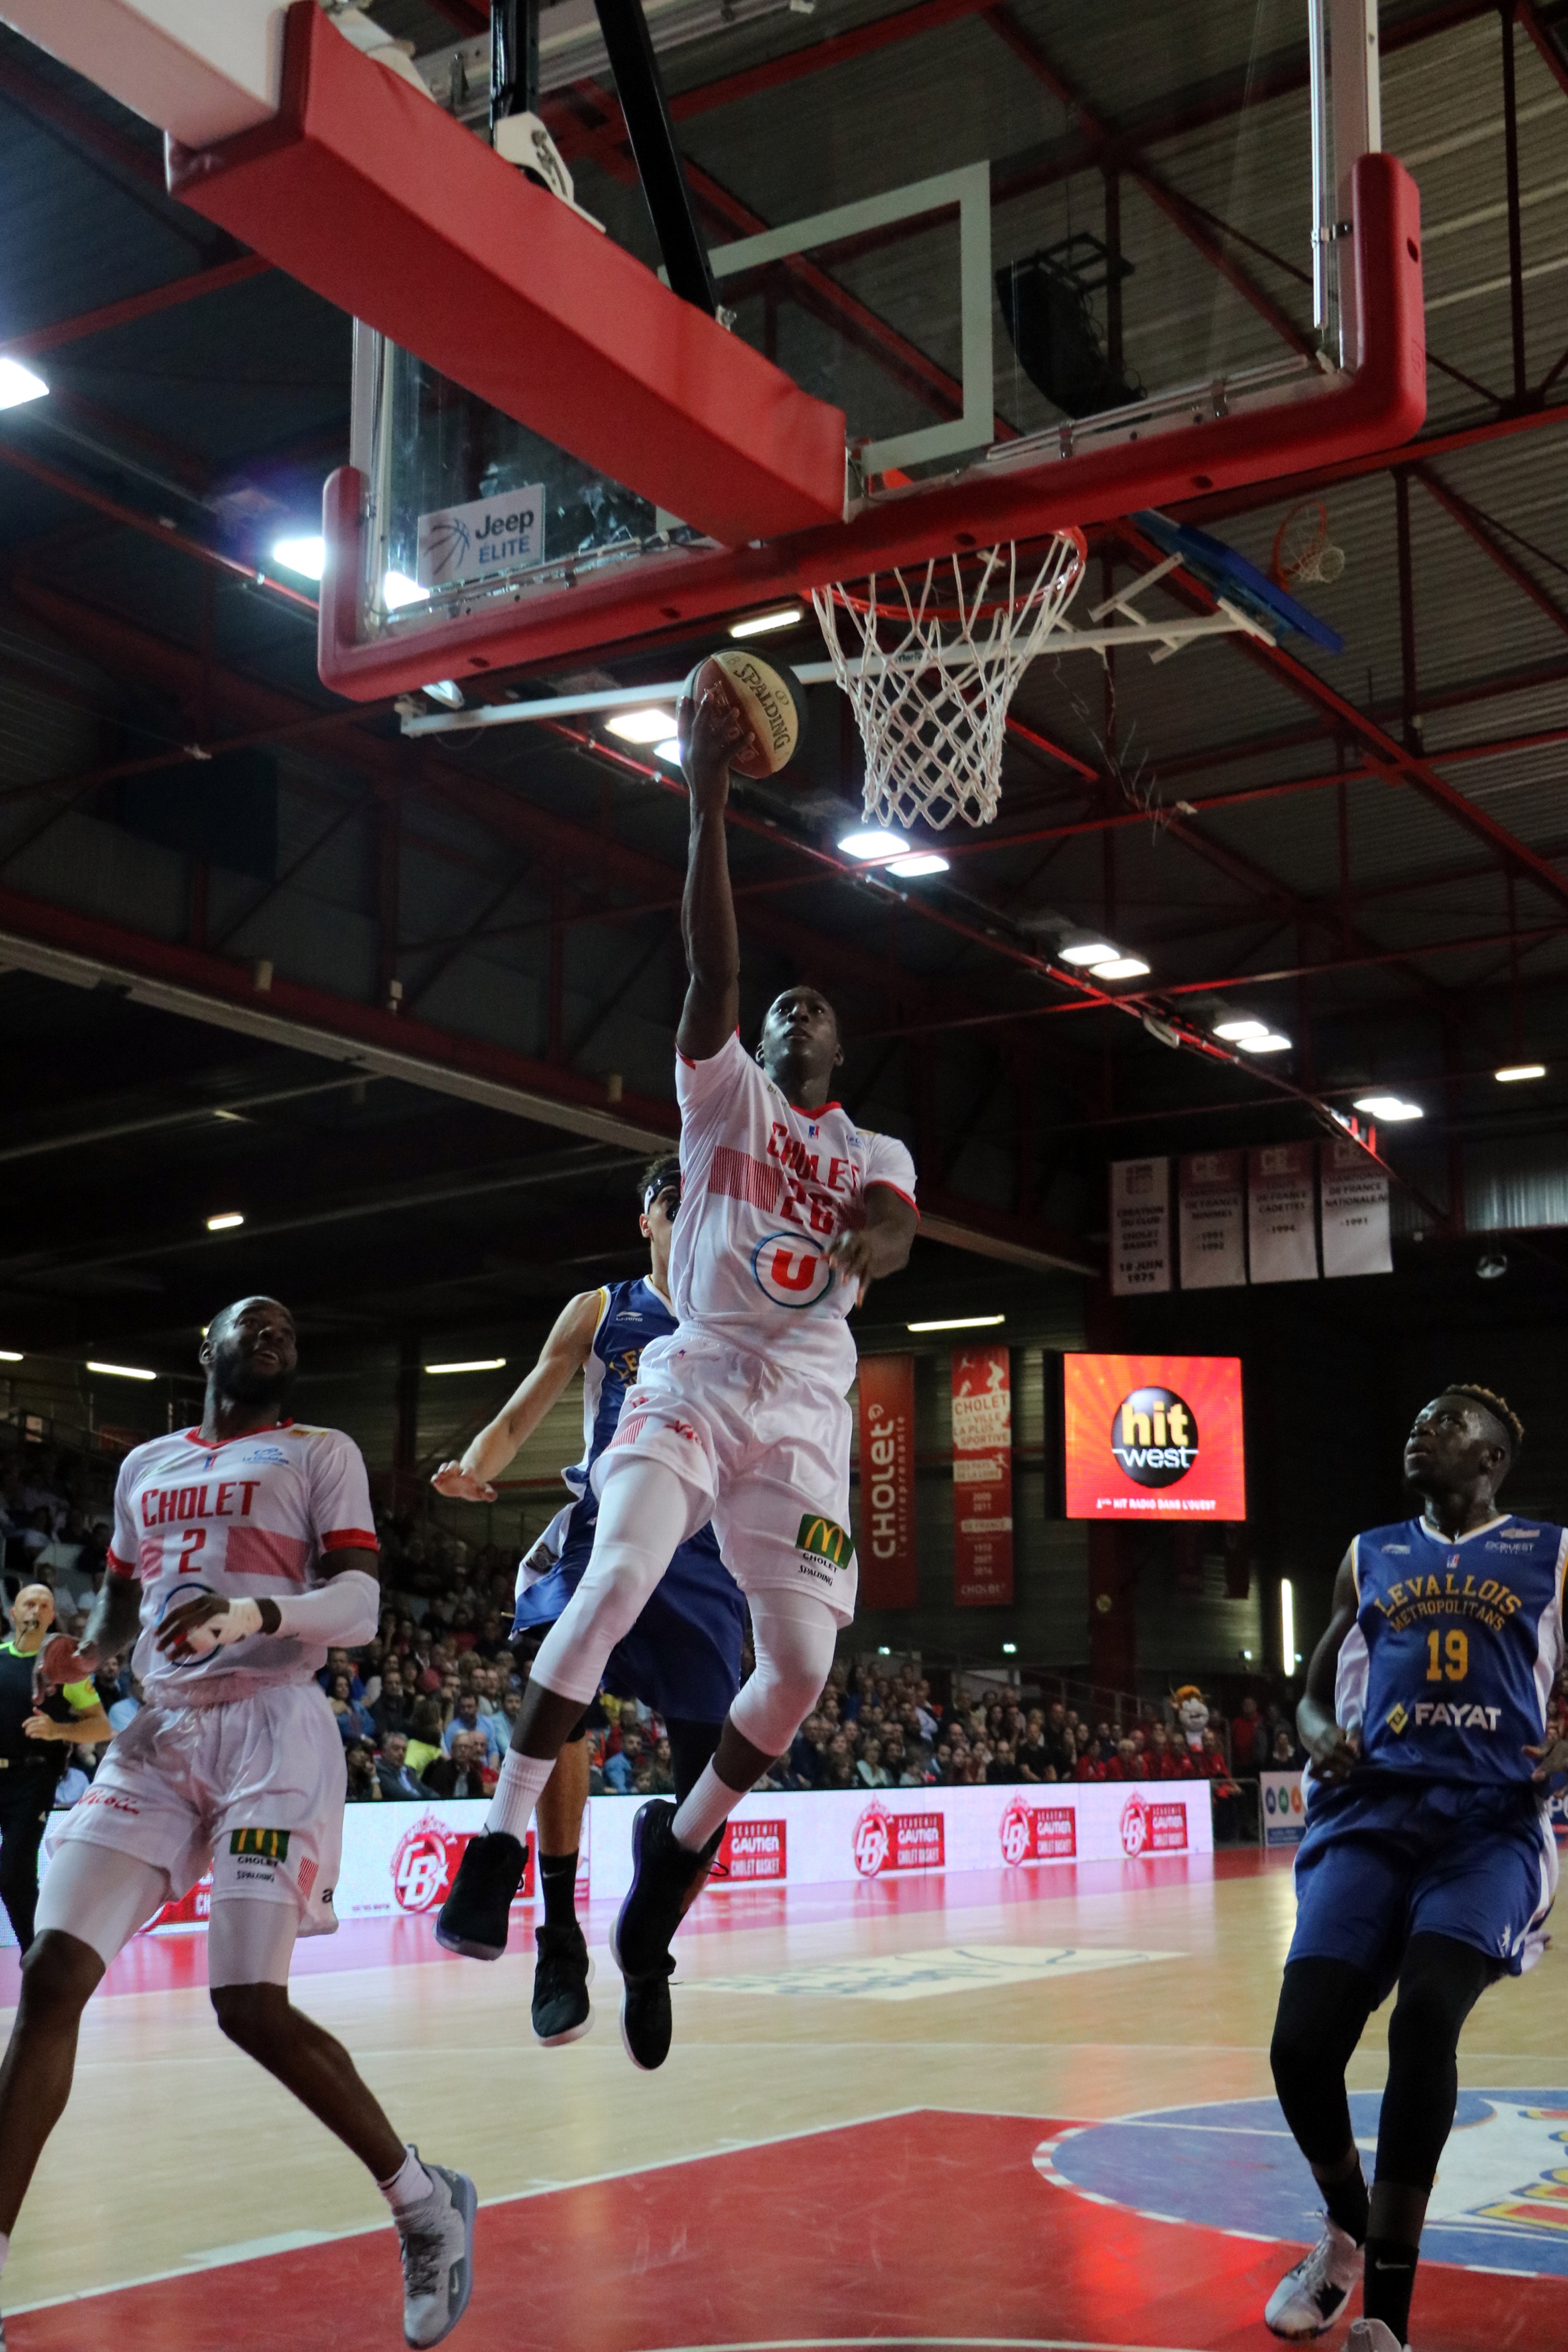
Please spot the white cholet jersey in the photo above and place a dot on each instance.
(250, 1517)
(765, 1187)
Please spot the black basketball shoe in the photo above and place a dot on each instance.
(664, 1873)
(647, 2022)
(473, 1919)
(562, 1974)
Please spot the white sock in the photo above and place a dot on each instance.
(706, 1809)
(518, 1791)
(410, 2186)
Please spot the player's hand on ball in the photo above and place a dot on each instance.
(1335, 1753)
(208, 1623)
(460, 1486)
(60, 1661)
(710, 730)
(1551, 1757)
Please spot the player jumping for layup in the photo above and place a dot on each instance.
(243, 1549)
(788, 1210)
(682, 1656)
(1428, 1860)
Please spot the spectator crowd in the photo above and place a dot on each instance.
(426, 1708)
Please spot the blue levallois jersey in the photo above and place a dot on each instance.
(630, 1315)
(1456, 1645)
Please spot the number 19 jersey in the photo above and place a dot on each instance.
(1456, 1646)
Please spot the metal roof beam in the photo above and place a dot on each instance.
(190, 286)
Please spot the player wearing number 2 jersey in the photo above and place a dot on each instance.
(789, 1208)
(241, 1549)
(1427, 1861)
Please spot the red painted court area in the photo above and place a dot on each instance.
(928, 2228)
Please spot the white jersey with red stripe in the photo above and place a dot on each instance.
(249, 1517)
(765, 1187)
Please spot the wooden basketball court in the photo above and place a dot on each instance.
(912, 2130)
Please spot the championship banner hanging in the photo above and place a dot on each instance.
(982, 1478)
(888, 1578)
(1212, 1205)
(1354, 1200)
(1140, 1227)
(1281, 1240)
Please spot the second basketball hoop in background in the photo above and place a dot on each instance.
(769, 698)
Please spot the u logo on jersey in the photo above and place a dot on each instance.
(789, 1274)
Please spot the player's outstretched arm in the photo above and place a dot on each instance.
(710, 730)
(113, 1622)
(1335, 1752)
(564, 1353)
(881, 1244)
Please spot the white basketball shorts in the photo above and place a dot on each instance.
(761, 1451)
(252, 1788)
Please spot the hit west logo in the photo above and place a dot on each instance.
(1154, 1436)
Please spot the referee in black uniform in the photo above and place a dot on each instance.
(33, 1741)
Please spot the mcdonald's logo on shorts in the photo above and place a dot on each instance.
(272, 1845)
(826, 1541)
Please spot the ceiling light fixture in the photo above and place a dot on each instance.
(1388, 1108)
(1512, 1075)
(1122, 967)
(1090, 951)
(869, 848)
(398, 590)
(226, 1221)
(307, 556)
(10, 1355)
(19, 384)
(669, 750)
(760, 623)
(476, 1364)
(122, 1372)
(919, 863)
(643, 725)
(1273, 1041)
(956, 1323)
(1236, 1031)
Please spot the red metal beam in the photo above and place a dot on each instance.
(1382, 750)
(195, 286)
(1550, 55)
(150, 528)
(1480, 527)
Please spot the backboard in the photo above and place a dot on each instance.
(1026, 266)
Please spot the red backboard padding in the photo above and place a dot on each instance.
(375, 198)
(1380, 407)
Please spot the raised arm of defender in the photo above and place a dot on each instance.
(563, 1353)
(1335, 1752)
(710, 730)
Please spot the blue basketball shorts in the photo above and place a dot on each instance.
(1386, 1857)
(683, 1656)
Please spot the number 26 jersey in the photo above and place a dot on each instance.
(1457, 1644)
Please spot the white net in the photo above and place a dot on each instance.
(930, 659)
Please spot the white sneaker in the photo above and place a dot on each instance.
(1310, 2298)
(1372, 2335)
(438, 2257)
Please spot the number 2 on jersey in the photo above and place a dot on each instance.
(1447, 1656)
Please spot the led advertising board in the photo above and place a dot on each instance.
(1154, 1437)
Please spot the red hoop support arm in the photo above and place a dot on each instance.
(373, 196)
(1382, 406)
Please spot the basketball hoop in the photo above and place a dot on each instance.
(932, 709)
(1303, 551)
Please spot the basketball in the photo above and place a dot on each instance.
(769, 698)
